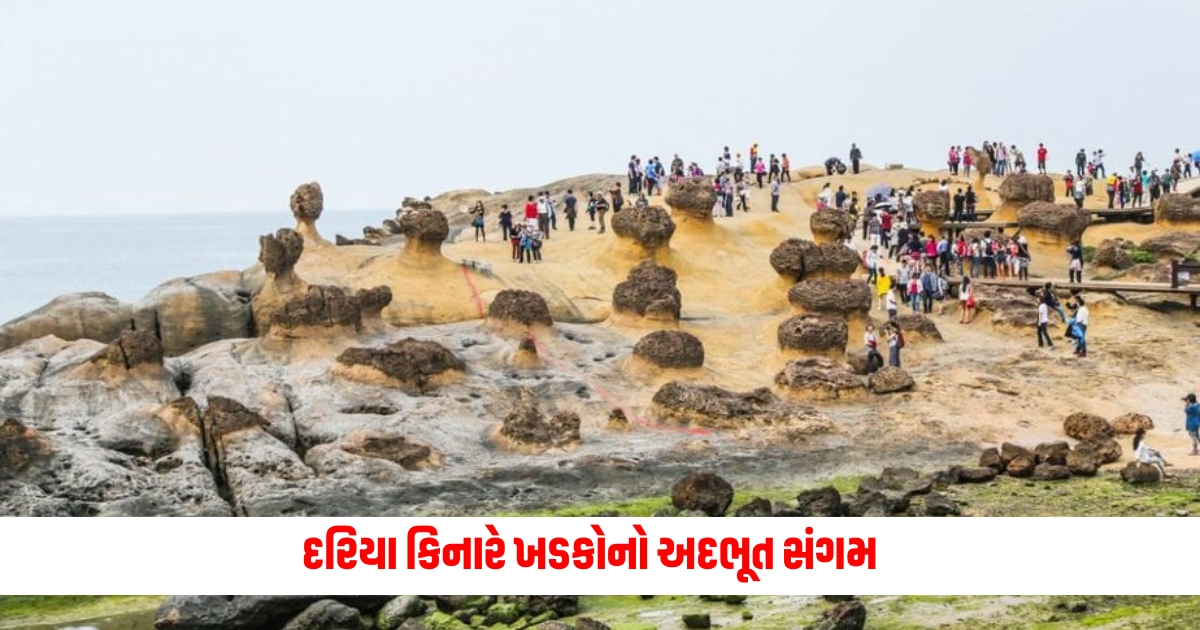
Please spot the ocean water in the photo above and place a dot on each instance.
(126, 256)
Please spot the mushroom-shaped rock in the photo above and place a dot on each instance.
(831, 296)
(670, 349)
(650, 227)
(412, 203)
(320, 307)
(20, 446)
(831, 226)
(1175, 208)
(715, 407)
(932, 206)
(393, 448)
(1025, 188)
(819, 378)
(1130, 423)
(1064, 222)
(918, 325)
(410, 363)
(307, 204)
(131, 349)
(692, 198)
(889, 380)
(526, 427)
(704, 492)
(280, 252)
(1113, 252)
(814, 333)
(424, 231)
(371, 302)
(797, 259)
(1085, 426)
(649, 291)
(517, 306)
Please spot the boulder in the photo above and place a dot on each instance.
(825, 501)
(1084, 426)
(696, 621)
(1051, 472)
(649, 291)
(990, 458)
(1129, 423)
(670, 349)
(693, 199)
(831, 296)
(187, 313)
(1010, 451)
(20, 447)
(1137, 473)
(398, 610)
(850, 615)
(932, 206)
(95, 316)
(320, 307)
(813, 333)
(327, 614)
(1175, 208)
(409, 363)
(918, 326)
(975, 475)
(424, 230)
(1114, 253)
(757, 506)
(131, 349)
(135, 431)
(819, 378)
(527, 428)
(587, 623)
(714, 407)
(702, 491)
(1054, 453)
(393, 448)
(1021, 465)
(1173, 244)
(307, 203)
(831, 226)
(1065, 222)
(889, 380)
(518, 306)
(938, 504)
(796, 259)
(246, 612)
(649, 227)
(1024, 188)
(1106, 449)
(1083, 461)
(536, 605)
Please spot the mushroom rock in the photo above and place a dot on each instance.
(517, 306)
(278, 254)
(649, 229)
(649, 291)
(412, 203)
(371, 303)
(796, 259)
(527, 429)
(670, 349)
(813, 333)
(92, 315)
(526, 356)
(1052, 224)
(889, 379)
(818, 379)
(982, 165)
(714, 407)
(1019, 190)
(831, 226)
(307, 204)
(424, 231)
(692, 199)
(319, 310)
(1174, 209)
(411, 364)
(840, 297)
(932, 207)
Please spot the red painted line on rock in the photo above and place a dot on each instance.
(474, 291)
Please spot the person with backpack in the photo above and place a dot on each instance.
(514, 237)
(874, 359)
(929, 289)
(591, 210)
(895, 338)
(535, 245)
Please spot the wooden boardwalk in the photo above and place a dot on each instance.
(957, 226)
(1191, 291)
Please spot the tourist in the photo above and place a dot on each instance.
(1051, 298)
(525, 253)
(506, 224)
(744, 196)
(754, 158)
(889, 301)
(1191, 411)
(651, 176)
(855, 157)
(477, 222)
(535, 245)
(885, 230)
(914, 293)
(617, 199)
(642, 202)
(883, 287)
(1043, 323)
(874, 359)
(966, 301)
(1098, 163)
(1023, 258)
(591, 210)
(1080, 192)
(874, 230)
(785, 169)
(976, 253)
(727, 195)
(1080, 163)
(825, 197)
(871, 261)
(634, 172)
(569, 203)
(1146, 455)
(952, 160)
(895, 340)
(774, 195)
(1138, 161)
(773, 172)
(553, 213)
(601, 210)
(1041, 158)
(1082, 315)
(1075, 268)
(531, 213)
(1110, 188)
(943, 255)
(543, 213)
(760, 169)
(515, 238)
(967, 161)
(929, 289)
(962, 252)
(969, 201)
(1138, 190)
(840, 197)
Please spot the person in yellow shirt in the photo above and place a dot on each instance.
(1110, 186)
(883, 284)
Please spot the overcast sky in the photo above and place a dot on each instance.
(150, 106)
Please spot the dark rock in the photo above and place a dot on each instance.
(692, 198)
(456, 603)
(1107, 450)
(757, 506)
(670, 349)
(528, 427)
(1083, 461)
(1051, 472)
(371, 302)
(398, 610)
(990, 458)
(412, 362)
(796, 259)
(280, 253)
(976, 475)
(1026, 188)
(535, 605)
(839, 598)
(1021, 466)
(131, 349)
(524, 307)
(831, 225)
(875, 503)
(308, 202)
(649, 291)
(428, 227)
(1010, 451)
(831, 296)
(889, 379)
(1113, 253)
(1084, 426)
(715, 407)
(650, 227)
(327, 614)
(1052, 453)
(20, 447)
(1137, 472)
(819, 378)
(246, 612)
(697, 620)
(393, 448)
(850, 615)
(412, 203)
(825, 501)
(813, 333)
(319, 307)
(932, 206)
(703, 491)
(938, 504)
(587, 623)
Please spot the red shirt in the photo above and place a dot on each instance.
(531, 210)
(1041, 154)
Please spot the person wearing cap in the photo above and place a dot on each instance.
(1191, 412)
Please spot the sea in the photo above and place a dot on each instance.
(126, 256)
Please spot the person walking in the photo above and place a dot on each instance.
(1082, 315)
(895, 340)
(1191, 411)
(531, 213)
(966, 301)
(929, 289)
(774, 195)
(855, 157)
(569, 203)
(883, 287)
(785, 168)
(601, 210)
(871, 259)
(1043, 325)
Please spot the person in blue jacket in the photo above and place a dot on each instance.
(1191, 411)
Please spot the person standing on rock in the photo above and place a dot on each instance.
(1191, 414)
(760, 171)
(601, 210)
(535, 245)
(553, 214)
(895, 340)
(477, 222)
(514, 237)
(617, 199)
(929, 289)
(634, 172)
(744, 196)
(969, 200)
(774, 195)
(883, 286)
(855, 157)
(543, 213)
(874, 359)
(952, 160)
(1080, 163)
(506, 222)
(1043, 325)
(871, 260)
(1041, 158)
(889, 300)
(591, 210)
(1075, 267)
(773, 169)
(785, 168)
(1080, 192)
(1098, 163)
(652, 178)
(569, 208)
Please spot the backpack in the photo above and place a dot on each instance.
(899, 338)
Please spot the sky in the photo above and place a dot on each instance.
(128, 106)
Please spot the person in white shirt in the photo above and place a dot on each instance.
(1081, 320)
(1147, 455)
(872, 263)
(825, 198)
(543, 208)
(890, 303)
(1043, 323)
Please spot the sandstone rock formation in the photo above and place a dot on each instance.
(692, 199)
(796, 259)
(307, 204)
(819, 378)
(371, 303)
(279, 254)
(1113, 252)
(840, 297)
(526, 428)
(516, 306)
(889, 380)
(397, 449)
(1085, 426)
(649, 291)
(670, 349)
(1021, 189)
(411, 364)
(424, 231)
(831, 226)
(187, 313)
(1177, 209)
(649, 228)
(813, 333)
(1060, 222)
(704, 492)
(20, 447)
(917, 326)
(1173, 244)
(69, 317)
(131, 349)
(1129, 423)
(932, 207)
(714, 407)
(320, 309)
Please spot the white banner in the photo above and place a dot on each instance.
(596, 556)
